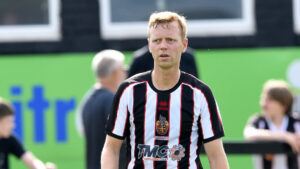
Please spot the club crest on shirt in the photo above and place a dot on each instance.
(162, 126)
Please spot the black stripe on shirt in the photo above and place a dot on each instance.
(139, 103)
(214, 116)
(292, 160)
(186, 123)
(162, 116)
(110, 125)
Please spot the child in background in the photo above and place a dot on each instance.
(275, 123)
(10, 144)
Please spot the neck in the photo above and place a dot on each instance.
(165, 79)
(107, 85)
(277, 120)
(2, 135)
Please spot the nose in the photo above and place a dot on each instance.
(264, 104)
(163, 45)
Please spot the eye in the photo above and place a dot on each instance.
(156, 40)
(170, 40)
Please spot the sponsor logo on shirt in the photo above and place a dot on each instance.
(161, 153)
(177, 152)
(161, 138)
(163, 105)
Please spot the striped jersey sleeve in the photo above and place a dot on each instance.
(117, 123)
(16, 147)
(256, 121)
(297, 128)
(210, 118)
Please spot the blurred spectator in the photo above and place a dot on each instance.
(143, 61)
(296, 106)
(275, 123)
(108, 66)
(9, 144)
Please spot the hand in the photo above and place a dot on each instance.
(294, 141)
(50, 165)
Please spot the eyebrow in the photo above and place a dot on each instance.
(163, 23)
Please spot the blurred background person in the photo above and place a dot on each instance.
(109, 69)
(275, 123)
(296, 106)
(9, 144)
(142, 61)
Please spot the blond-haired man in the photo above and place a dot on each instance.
(165, 114)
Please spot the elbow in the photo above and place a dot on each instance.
(246, 134)
(249, 134)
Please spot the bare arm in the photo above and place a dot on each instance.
(110, 153)
(34, 163)
(216, 155)
(251, 133)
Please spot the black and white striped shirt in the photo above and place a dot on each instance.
(276, 161)
(164, 129)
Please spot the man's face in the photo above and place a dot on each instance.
(120, 73)
(166, 45)
(6, 126)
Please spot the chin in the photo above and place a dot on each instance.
(266, 114)
(6, 135)
(166, 66)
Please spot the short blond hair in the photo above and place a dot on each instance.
(167, 17)
(279, 91)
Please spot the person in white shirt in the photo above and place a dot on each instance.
(277, 124)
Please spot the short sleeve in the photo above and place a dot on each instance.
(210, 120)
(16, 147)
(117, 119)
(256, 121)
(297, 126)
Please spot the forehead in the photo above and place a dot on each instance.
(165, 29)
(7, 118)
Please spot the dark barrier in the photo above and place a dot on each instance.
(261, 147)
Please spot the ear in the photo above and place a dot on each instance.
(149, 45)
(185, 44)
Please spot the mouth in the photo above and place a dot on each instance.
(164, 56)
